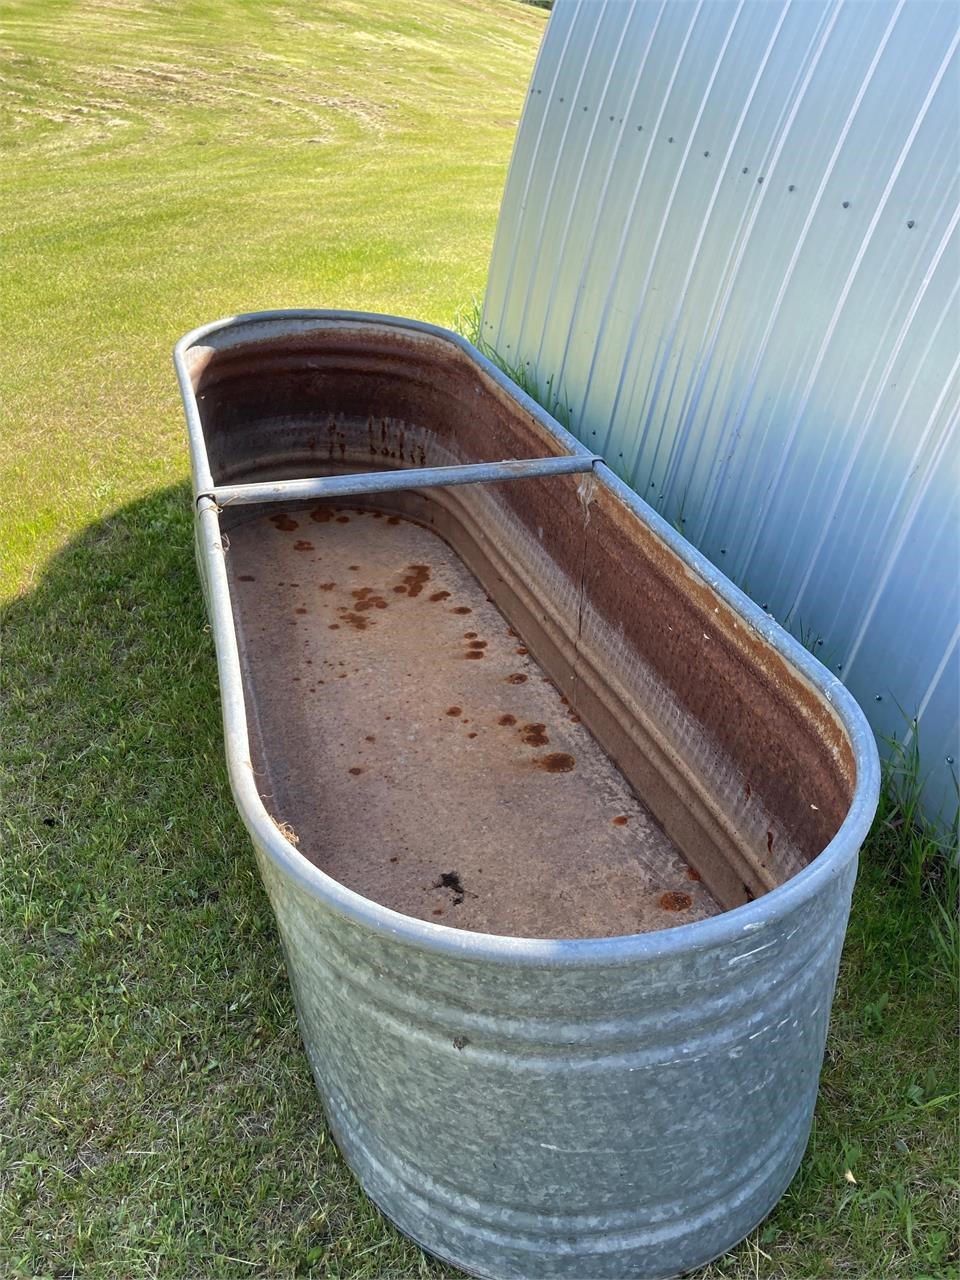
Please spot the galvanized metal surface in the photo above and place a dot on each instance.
(730, 239)
(540, 1107)
(389, 481)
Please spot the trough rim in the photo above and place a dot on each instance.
(623, 949)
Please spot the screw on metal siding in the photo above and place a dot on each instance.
(846, 204)
(911, 224)
(791, 187)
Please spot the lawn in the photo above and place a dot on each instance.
(167, 162)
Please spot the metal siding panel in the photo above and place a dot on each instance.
(931, 551)
(533, 130)
(586, 133)
(744, 285)
(615, 108)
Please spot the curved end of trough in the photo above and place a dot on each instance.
(552, 1106)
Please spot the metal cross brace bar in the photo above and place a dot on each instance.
(345, 486)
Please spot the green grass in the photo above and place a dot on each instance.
(168, 162)
(541, 388)
(165, 164)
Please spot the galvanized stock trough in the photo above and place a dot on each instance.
(560, 829)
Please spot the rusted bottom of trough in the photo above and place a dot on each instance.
(417, 750)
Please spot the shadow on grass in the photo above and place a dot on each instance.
(160, 1114)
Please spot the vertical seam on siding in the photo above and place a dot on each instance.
(854, 268)
(732, 265)
(908, 517)
(528, 177)
(705, 222)
(588, 257)
(787, 278)
(571, 206)
(661, 232)
(879, 387)
(952, 644)
(624, 235)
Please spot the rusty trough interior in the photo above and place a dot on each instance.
(503, 707)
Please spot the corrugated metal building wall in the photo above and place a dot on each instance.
(729, 236)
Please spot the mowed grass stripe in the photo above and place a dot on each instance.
(174, 163)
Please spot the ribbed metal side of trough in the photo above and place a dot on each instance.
(628, 1106)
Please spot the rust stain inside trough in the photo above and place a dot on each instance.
(389, 813)
(556, 762)
(679, 709)
(674, 900)
(283, 522)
